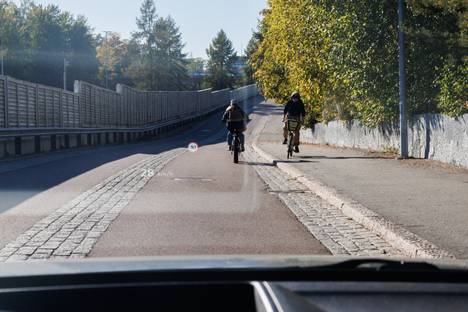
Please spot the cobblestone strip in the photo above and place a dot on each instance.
(340, 234)
(72, 230)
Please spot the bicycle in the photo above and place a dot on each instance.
(236, 146)
(292, 125)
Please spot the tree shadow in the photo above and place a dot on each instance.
(343, 157)
(46, 171)
(294, 161)
(53, 169)
(266, 109)
(255, 163)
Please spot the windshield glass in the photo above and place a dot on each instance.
(222, 128)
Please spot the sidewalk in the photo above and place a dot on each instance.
(426, 198)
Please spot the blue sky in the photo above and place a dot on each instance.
(199, 20)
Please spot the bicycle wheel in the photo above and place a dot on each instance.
(290, 145)
(236, 149)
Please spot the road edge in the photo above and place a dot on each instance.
(409, 243)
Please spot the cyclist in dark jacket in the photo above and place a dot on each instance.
(236, 121)
(295, 109)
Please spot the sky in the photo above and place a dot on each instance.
(199, 20)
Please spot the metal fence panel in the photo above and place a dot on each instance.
(24, 104)
(3, 101)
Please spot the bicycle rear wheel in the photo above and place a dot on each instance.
(290, 145)
(236, 149)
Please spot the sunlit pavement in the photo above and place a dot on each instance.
(118, 201)
(424, 197)
(182, 195)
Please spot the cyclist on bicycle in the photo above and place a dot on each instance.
(236, 121)
(293, 109)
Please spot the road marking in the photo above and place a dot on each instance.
(73, 230)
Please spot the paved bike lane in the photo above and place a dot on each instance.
(426, 198)
(203, 204)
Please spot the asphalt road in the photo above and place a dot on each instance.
(199, 204)
(427, 198)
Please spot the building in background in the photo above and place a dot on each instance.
(240, 65)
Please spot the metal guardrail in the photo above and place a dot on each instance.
(36, 118)
(25, 132)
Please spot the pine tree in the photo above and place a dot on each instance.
(146, 22)
(171, 61)
(221, 54)
(252, 47)
(143, 67)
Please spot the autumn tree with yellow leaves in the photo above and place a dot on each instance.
(342, 56)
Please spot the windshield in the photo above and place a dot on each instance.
(222, 128)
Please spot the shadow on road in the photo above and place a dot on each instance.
(18, 185)
(264, 109)
(343, 157)
(254, 163)
(295, 161)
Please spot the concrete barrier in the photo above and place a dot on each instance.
(28, 145)
(430, 136)
(45, 143)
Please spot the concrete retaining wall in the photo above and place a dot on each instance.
(431, 136)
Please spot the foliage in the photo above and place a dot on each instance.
(171, 61)
(221, 60)
(343, 56)
(252, 47)
(158, 62)
(196, 72)
(37, 38)
(111, 53)
(453, 84)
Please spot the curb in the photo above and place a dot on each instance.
(409, 243)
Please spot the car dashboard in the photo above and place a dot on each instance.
(111, 286)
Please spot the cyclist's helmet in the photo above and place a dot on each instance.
(295, 95)
(235, 103)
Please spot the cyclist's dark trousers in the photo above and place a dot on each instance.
(230, 137)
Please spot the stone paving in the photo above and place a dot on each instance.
(72, 230)
(340, 234)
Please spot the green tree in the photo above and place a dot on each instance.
(221, 59)
(252, 47)
(143, 67)
(111, 53)
(44, 41)
(453, 84)
(157, 59)
(38, 37)
(343, 56)
(196, 72)
(171, 61)
(80, 52)
(10, 39)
